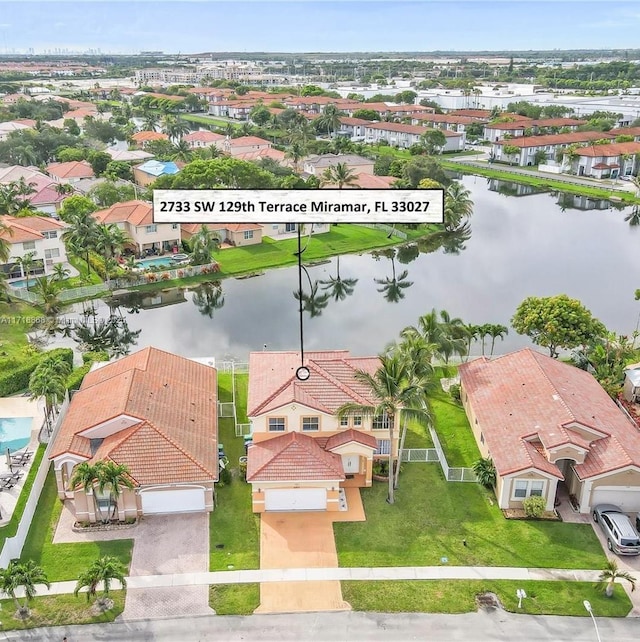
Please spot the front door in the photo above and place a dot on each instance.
(351, 464)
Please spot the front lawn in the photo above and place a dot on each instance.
(60, 610)
(458, 596)
(432, 517)
(234, 599)
(65, 561)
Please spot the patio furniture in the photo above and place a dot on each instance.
(7, 484)
(17, 476)
(220, 450)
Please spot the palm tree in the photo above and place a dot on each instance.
(472, 335)
(104, 569)
(610, 574)
(182, 151)
(496, 330)
(635, 180)
(634, 218)
(208, 297)
(485, 471)
(151, 121)
(295, 154)
(329, 119)
(458, 205)
(313, 302)
(60, 272)
(484, 330)
(110, 240)
(339, 175)
(392, 288)
(5, 245)
(27, 263)
(81, 236)
(113, 477)
(63, 189)
(14, 196)
(48, 288)
(174, 127)
(338, 287)
(49, 380)
(203, 243)
(25, 575)
(396, 394)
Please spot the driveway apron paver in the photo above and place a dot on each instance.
(298, 540)
(166, 544)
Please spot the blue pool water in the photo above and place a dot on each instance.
(162, 261)
(15, 433)
(22, 283)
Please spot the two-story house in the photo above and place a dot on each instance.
(202, 139)
(316, 165)
(136, 219)
(607, 161)
(302, 454)
(70, 172)
(40, 236)
(404, 136)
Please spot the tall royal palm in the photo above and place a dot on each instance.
(329, 120)
(81, 236)
(49, 381)
(397, 395)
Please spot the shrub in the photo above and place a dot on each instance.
(17, 379)
(97, 265)
(151, 277)
(76, 377)
(485, 471)
(534, 506)
(90, 357)
(454, 391)
(165, 276)
(225, 477)
(180, 273)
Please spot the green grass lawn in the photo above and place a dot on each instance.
(233, 524)
(458, 596)
(234, 599)
(84, 278)
(431, 517)
(64, 561)
(453, 429)
(14, 326)
(10, 529)
(58, 610)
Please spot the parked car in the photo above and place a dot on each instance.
(622, 538)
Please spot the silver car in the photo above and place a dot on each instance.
(618, 529)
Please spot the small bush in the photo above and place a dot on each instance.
(534, 506)
(76, 377)
(225, 477)
(91, 357)
(454, 391)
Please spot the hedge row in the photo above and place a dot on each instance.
(75, 378)
(17, 379)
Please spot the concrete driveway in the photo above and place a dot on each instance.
(166, 544)
(299, 540)
(630, 563)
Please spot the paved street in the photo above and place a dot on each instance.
(495, 626)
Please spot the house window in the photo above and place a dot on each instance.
(357, 422)
(150, 229)
(524, 488)
(53, 253)
(344, 422)
(174, 226)
(248, 234)
(310, 423)
(51, 234)
(381, 422)
(29, 245)
(289, 227)
(383, 447)
(276, 424)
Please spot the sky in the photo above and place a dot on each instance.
(129, 26)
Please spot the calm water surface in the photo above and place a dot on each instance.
(520, 246)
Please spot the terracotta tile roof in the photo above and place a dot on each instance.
(452, 119)
(135, 212)
(28, 228)
(347, 436)
(275, 154)
(526, 396)
(272, 380)
(509, 126)
(473, 113)
(191, 228)
(346, 120)
(203, 137)
(555, 139)
(613, 149)
(170, 404)
(245, 141)
(292, 456)
(72, 169)
(409, 129)
(146, 136)
(625, 131)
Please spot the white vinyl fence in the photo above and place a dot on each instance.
(451, 473)
(13, 545)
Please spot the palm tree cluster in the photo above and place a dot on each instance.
(99, 479)
(22, 575)
(49, 381)
(102, 571)
(203, 243)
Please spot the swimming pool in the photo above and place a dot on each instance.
(161, 261)
(15, 433)
(22, 283)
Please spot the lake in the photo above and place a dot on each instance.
(520, 246)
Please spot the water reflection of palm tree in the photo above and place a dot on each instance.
(392, 288)
(634, 218)
(208, 297)
(312, 302)
(337, 287)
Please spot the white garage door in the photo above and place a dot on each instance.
(185, 500)
(628, 498)
(296, 499)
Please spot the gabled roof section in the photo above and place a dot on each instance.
(350, 436)
(272, 380)
(292, 457)
(134, 212)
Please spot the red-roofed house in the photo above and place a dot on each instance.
(302, 454)
(136, 219)
(543, 423)
(243, 145)
(236, 234)
(70, 172)
(201, 139)
(398, 135)
(154, 412)
(141, 138)
(607, 161)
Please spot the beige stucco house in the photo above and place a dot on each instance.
(302, 454)
(234, 234)
(154, 412)
(546, 423)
